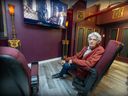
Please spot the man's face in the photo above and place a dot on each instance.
(92, 42)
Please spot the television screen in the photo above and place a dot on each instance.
(45, 12)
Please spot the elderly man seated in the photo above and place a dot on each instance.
(85, 59)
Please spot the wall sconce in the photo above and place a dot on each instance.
(11, 9)
(66, 23)
(14, 42)
(66, 30)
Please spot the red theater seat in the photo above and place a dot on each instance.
(96, 73)
(16, 78)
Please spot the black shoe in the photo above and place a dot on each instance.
(57, 75)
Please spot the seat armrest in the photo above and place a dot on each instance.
(34, 80)
(35, 63)
(34, 71)
(34, 77)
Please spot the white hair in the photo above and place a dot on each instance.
(97, 35)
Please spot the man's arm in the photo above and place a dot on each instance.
(78, 55)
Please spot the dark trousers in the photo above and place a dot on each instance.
(66, 67)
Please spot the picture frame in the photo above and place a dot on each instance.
(80, 15)
(49, 13)
(118, 13)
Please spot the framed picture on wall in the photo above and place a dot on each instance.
(80, 15)
(50, 13)
(117, 13)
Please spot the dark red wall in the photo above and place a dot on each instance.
(37, 42)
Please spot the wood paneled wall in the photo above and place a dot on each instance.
(114, 15)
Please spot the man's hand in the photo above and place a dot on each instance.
(63, 61)
(70, 61)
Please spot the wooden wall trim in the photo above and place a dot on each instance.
(106, 10)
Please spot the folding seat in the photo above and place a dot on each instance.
(96, 73)
(16, 77)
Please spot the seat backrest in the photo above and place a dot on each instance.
(18, 56)
(111, 51)
(14, 73)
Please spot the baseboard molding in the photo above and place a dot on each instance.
(49, 60)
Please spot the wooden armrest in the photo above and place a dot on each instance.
(34, 77)
(34, 68)
(34, 63)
